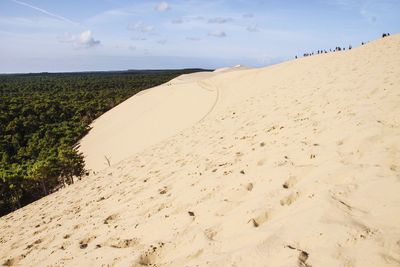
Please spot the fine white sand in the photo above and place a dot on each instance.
(297, 164)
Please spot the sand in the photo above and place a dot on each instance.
(150, 117)
(297, 164)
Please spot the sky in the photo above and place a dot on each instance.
(99, 35)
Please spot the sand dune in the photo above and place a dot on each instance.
(297, 164)
(145, 119)
(149, 117)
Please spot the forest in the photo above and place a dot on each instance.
(43, 116)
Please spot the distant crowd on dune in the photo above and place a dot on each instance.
(336, 49)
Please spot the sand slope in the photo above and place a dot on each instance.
(297, 164)
(145, 119)
(150, 117)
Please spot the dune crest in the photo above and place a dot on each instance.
(150, 117)
(297, 164)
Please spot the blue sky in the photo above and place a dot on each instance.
(79, 35)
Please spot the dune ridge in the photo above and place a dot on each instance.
(297, 164)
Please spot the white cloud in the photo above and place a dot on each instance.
(141, 27)
(219, 20)
(253, 28)
(218, 34)
(162, 6)
(177, 21)
(198, 18)
(248, 15)
(193, 39)
(138, 38)
(84, 40)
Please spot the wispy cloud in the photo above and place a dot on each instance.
(248, 15)
(177, 21)
(46, 12)
(219, 20)
(218, 34)
(193, 39)
(253, 28)
(141, 27)
(199, 18)
(348, 4)
(119, 14)
(370, 10)
(374, 11)
(138, 39)
(162, 6)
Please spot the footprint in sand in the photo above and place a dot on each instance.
(290, 182)
(110, 218)
(249, 186)
(289, 199)
(261, 162)
(302, 258)
(37, 242)
(85, 242)
(149, 257)
(121, 243)
(163, 190)
(260, 219)
(301, 261)
(13, 261)
(210, 233)
(65, 245)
